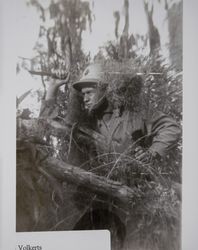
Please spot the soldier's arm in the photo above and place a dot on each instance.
(164, 131)
(162, 135)
(49, 106)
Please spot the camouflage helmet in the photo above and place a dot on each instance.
(91, 77)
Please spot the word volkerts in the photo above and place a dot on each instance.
(29, 247)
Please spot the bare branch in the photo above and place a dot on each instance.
(95, 183)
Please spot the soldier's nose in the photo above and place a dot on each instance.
(86, 99)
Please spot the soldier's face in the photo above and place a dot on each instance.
(89, 97)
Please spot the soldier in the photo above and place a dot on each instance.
(152, 134)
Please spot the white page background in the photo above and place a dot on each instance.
(8, 51)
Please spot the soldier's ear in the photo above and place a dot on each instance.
(136, 84)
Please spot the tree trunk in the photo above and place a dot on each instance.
(175, 28)
(154, 36)
(124, 37)
(96, 184)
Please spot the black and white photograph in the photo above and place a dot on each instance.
(99, 120)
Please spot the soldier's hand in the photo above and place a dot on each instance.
(60, 78)
(54, 85)
(143, 155)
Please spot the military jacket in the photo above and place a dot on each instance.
(121, 131)
(153, 130)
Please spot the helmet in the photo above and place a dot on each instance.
(90, 78)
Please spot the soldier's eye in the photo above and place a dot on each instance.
(122, 89)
